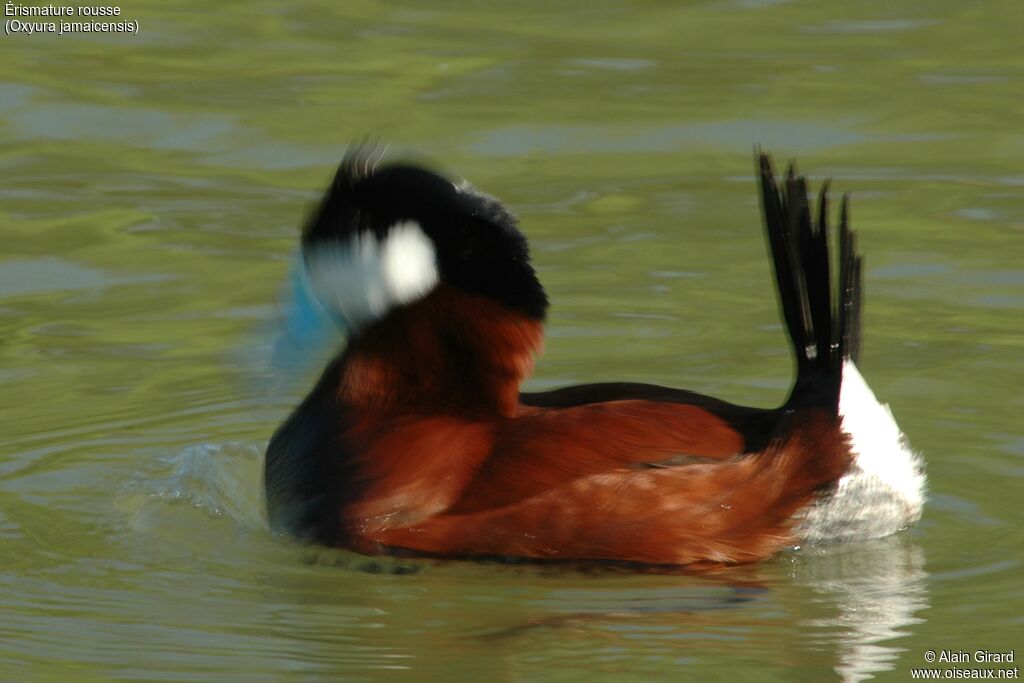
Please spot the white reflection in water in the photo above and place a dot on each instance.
(878, 587)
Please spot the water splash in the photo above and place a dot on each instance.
(219, 480)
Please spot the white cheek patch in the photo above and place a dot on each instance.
(409, 262)
(359, 281)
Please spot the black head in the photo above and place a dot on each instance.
(475, 243)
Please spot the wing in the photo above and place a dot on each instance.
(717, 512)
(542, 450)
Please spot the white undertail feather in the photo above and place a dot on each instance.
(884, 490)
(359, 281)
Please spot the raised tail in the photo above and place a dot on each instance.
(883, 489)
(823, 321)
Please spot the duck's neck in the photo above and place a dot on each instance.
(450, 351)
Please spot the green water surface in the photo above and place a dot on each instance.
(152, 187)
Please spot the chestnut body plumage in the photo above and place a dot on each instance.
(418, 440)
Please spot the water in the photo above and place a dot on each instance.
(152, 188)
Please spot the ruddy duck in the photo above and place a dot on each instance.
(417, 438)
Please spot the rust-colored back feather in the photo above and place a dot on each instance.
(720, 512)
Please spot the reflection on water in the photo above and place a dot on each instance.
(878, 589)
(638, 137)
(49, 274)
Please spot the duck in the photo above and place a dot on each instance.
(418, 439)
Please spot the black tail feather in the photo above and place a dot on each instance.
(851, 267)
(823, 325)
